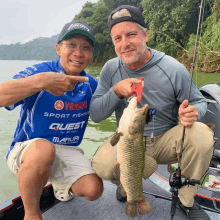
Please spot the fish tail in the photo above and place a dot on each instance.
(131, 209)
(143, 207)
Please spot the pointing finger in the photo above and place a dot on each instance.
(79, 79)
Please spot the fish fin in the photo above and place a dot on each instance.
(115, 138)
(143, 207)
(121, 190)
(131, 209)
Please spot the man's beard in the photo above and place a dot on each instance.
(134, 58)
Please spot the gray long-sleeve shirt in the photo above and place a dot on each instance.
(166, 85)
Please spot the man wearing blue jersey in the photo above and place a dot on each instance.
(55, 98)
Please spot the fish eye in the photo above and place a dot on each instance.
(136, 131)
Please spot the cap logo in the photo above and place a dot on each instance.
(79, 26)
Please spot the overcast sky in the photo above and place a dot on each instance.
(23, 20)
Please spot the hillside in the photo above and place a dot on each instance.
(172, 27)
(41, 48)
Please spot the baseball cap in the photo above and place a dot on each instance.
(136, 16)
(76, 27)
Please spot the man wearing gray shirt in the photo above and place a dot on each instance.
(166, 87)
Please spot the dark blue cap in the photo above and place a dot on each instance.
(74, 28)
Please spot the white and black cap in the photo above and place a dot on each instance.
(136, 16)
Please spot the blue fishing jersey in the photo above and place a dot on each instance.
(59, 119)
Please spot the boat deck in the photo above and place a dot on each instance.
(108, 208)
(156, 191)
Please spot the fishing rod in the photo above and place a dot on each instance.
(176, 179)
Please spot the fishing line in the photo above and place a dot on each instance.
(203, 12)
(191, 78)
(176, 178)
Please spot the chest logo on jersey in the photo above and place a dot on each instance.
(58, 105)
(75, 106)
(82, 93)
(66, 127)
(56, 115)
(66, 140)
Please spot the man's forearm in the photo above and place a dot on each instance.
(102, 106)
(201, 109)
(14, 91)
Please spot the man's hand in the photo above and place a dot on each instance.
(58, 83)
(123, 88)
(187, 114)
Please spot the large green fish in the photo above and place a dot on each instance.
(130, 156)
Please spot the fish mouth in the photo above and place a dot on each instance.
(133, 105)
(133, 102)
(144, 109)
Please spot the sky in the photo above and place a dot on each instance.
(24, 20)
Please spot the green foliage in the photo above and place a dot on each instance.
(98, 22)
(208, 58)
(217, 11)
(171, 22)
(96, 16)
(116, 3)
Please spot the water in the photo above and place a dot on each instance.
(95, 133)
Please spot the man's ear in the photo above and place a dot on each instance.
(146, 35)
(58, 49)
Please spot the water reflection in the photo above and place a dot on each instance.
(108, 125)
(97, 133)
(94, 71)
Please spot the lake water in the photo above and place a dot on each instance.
(95, 133)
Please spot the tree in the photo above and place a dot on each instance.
(98, 22)
(112, 4)
(208, 58)
(96, 16)
(171, 22)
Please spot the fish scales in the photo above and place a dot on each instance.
(130, 156)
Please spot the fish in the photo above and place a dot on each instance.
(131, 156)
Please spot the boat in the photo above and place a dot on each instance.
(156, 189)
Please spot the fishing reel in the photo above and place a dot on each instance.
(150, 114)
(177, 181)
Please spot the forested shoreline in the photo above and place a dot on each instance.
(172, 26)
